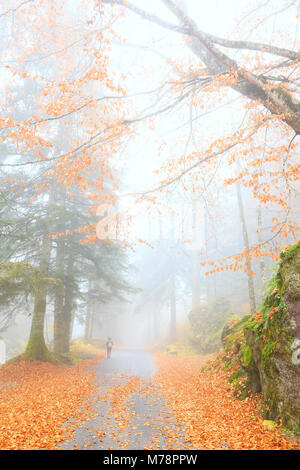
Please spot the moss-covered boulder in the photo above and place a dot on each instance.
(273, 336)
(263, 350)
(238, 358)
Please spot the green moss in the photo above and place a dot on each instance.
(271, 311)
(247, 356)
(268, 349)
(270, 403)
(233, 335)
(254, 342)
(289, 273)
(37, 350)
(266, 353)
(228, 363)
(289, 252)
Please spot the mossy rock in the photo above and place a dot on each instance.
(239, 357)
(232, 334)
(275, 342)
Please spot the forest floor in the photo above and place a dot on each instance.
(135, 400)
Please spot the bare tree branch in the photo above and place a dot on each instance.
(13, 10)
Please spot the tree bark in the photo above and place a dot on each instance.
(36, 347)
(206, 238)
(248, 84)
(68, 305)
(88, 313)
(60, 290)
(195, 280)
(195, 263)
(203, 45)
(172, 288)
(173, 310)
(59, 299)
(261, 260)
(251, 291)
(92, 320)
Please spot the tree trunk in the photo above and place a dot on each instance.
(60, 290)
(68, 305)
(206, 238)
(172, 289)
(92, 319)
(203, 45)
(250, 85)
(155, 326)
(195, 280)
(261, 261)
(59, 299)
(173, 310)
(246, 245)
(36, 348)
(195, 261)
(72, 323)
(88, 313)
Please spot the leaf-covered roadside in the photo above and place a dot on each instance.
(213, 419)
(37, 398)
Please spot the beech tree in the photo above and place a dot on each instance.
(266, 77)
(69, 114)
(276, 98)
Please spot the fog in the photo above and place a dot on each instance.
(134, 182)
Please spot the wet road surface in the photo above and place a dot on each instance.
(128, 412)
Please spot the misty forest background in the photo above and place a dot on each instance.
(89, 117)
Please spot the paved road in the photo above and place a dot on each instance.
(129, 412)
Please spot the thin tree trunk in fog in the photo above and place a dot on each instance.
(195, 263)
(155, 326)
(58, 330)
(59, 299)
(72, 323)
(195, 280)
(206, 238)
(92, 318)
(173, 310)
(36, 348)
(251, 291)
(58, 340)
(172, 290)
(68, 304)
(46, 328)
(87, 325)
(260, 240)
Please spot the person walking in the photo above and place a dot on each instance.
(109, 345)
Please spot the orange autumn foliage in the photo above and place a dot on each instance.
(37, 398)
(213, 419)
